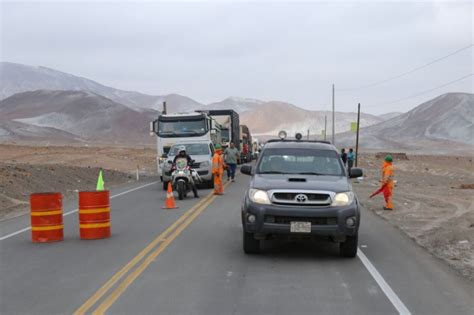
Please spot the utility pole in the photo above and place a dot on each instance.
(357, 137)
(325, 126)
(333, 118)
(308, 135)
(164, 108)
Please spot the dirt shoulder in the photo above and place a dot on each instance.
(29, 169)
(433, 204)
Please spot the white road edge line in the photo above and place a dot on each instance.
(391, 295)
(75, 210)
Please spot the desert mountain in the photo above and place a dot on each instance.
(445, 119)
(270, 117)
(71, 115)
(389, 116)
(18, 78)
(239, 104)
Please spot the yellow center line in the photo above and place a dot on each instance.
(117, 276)
(120, 289)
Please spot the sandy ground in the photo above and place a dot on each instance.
(433, 204)
(28, 169)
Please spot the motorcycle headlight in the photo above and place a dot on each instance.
(343, 199)
(259, 196)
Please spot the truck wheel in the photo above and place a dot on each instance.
(251, 245)
(349, 247)
(180, 189)
(165, 185)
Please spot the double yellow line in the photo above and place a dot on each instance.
(146, 257)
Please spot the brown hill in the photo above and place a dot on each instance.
(270, 117)
(72, 116)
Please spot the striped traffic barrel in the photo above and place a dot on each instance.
(46, 217)
(94, 214)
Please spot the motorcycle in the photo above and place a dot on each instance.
(184, 179)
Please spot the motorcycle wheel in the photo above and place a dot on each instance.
(180, 190)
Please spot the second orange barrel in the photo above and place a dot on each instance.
(94, 214)
(46, 217)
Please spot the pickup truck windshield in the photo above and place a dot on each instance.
(300, 161)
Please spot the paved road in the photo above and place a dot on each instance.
(190, 261)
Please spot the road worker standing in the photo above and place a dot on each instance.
(387, 181)
(218, 170)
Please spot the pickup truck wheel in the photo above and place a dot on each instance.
(349, 247)
(251, 245)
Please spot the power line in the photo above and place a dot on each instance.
(424, 92)
(407, 72)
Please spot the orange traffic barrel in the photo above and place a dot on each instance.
(46, 217)
(94, 214)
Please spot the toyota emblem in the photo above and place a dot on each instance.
(301, 198)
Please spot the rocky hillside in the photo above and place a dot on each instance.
(239, 104)
(444, 121)
(71, 116)
(270, 117)
(18, 78)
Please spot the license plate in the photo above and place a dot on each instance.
(300, 227)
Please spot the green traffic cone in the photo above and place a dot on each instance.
(100, 181)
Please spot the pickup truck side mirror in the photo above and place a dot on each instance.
(165, 156)
(246, 169)
(355, 172)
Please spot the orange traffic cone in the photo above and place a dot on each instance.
(169, 202)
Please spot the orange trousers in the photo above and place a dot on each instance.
(218, 186)
(387, 194)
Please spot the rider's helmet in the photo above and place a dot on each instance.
(181, 150)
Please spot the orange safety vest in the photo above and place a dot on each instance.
(218, 163)
(387, 174)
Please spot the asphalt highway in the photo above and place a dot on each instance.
(190, 261)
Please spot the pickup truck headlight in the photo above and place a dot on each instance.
(343, 199)
(259, 196)
(204, 164)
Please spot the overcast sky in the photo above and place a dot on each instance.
(284, 51)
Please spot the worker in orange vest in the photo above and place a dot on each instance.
(387, 181)
(218, 170)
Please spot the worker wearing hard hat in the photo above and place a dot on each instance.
(218, 170)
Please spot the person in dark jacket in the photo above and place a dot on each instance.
(344, 157)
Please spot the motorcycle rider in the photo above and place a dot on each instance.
(182, 154)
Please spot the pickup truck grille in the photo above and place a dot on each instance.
(296, 198)
(287, 220)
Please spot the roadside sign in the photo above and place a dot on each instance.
(353, 126)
